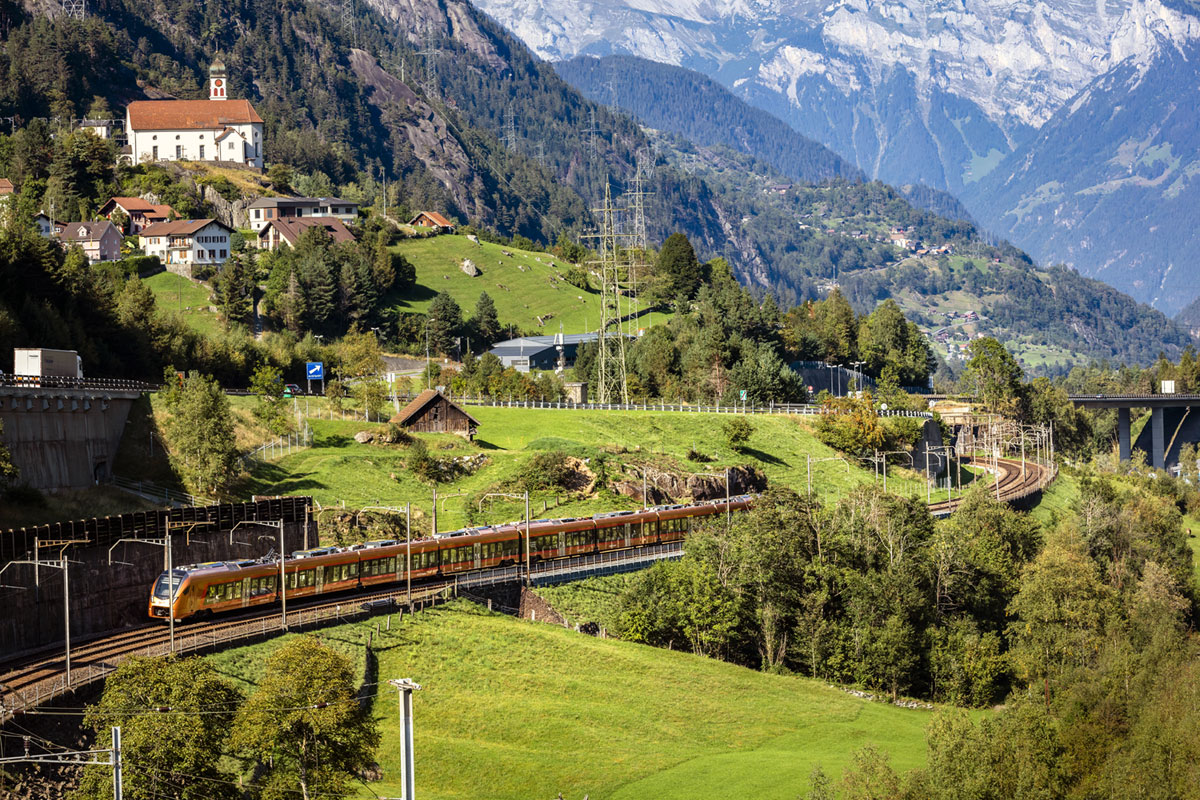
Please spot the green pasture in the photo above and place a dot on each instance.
(190, 299)
(339, 471)
(520, 710)
(524, 285)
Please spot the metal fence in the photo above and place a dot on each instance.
(156, 493)
(278, 448)
(807, 409)
(55, 382)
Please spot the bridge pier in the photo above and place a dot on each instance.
(1123, 437)
(1157, 454)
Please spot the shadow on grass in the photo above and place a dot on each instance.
(766, 458)
(417, 294)
(281, 481)
(485, 445)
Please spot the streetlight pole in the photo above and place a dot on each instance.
(407, 687)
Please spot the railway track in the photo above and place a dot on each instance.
(31, 682)
(34, 680)
(1014, 482)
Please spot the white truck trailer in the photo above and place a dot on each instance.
(39, 362)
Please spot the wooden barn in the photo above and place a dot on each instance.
(432, 412)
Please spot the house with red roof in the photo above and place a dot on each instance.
(184, 243)
(216, 129)
(139, 212)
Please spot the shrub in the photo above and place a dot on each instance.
(546, 470)
(737, 432)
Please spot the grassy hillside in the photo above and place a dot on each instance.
(174, 293)
(520, 710)
(524, 285)
(338, 469)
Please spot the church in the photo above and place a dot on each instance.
(216, 129)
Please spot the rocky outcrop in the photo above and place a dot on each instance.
(665, 487)
(432, 141)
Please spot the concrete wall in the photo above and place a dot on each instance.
(63, 438)
(931, 443)
(108, 597)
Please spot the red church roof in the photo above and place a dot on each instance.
(170, 115)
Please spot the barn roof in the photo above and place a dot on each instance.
(420, 403)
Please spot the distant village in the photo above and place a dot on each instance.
(219, 130)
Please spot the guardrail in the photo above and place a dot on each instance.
(98, 384)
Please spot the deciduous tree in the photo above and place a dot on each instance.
(304, 725)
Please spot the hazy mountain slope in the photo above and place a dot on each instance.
(955, 94)
(687, 103)
(1111, 184)
(932, 91)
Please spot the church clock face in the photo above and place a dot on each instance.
(218, 82)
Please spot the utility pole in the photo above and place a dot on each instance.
(510, 130)
(61, 563)
(110, 757)
(640, 242)
(75, 9)
(407, 687)
(432, 81)
(278, 526)
(349, 23)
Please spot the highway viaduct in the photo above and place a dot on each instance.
(1171, 422)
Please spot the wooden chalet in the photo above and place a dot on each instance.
(432, 412)
(432, 220)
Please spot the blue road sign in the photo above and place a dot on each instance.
(315, 370)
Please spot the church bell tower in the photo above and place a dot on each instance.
(218, 83)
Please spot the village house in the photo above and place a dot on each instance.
(432, 412)
(186, 243)
(286, 232)
(216, 129)
(101, 241)
(265, 209)
(433, 221)
(6, 199)
(139, 212)
(46, 227)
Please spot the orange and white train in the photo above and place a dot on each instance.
(201, 590)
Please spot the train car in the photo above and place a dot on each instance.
(201, 590)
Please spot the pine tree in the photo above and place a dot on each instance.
(485, 324)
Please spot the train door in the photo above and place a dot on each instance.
(319, 580)
(478, 556)
(628, 534)
(245, 592)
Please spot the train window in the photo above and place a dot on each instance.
(261, 586)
